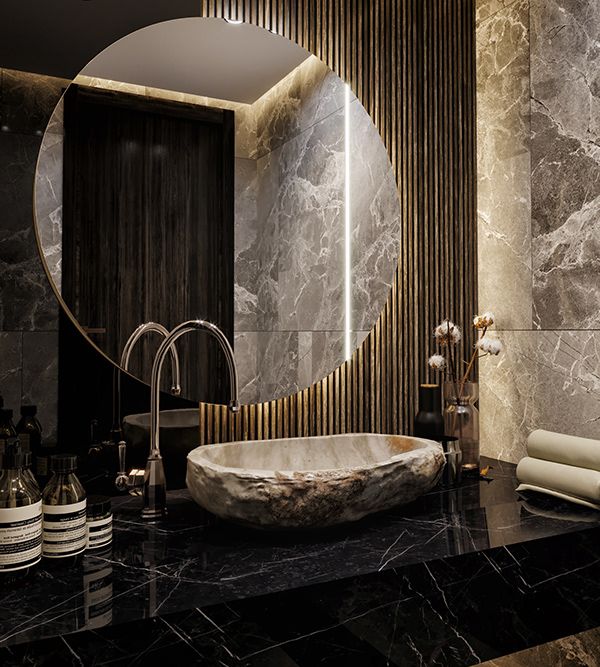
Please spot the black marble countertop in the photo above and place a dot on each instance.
(458, 577)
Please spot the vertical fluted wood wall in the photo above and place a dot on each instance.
(412, 65)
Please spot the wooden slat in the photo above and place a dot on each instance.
(412, 65)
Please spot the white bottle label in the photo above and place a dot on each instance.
(99, 533)
(65, 532)
(20, 537)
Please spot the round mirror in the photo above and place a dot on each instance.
(200, 168)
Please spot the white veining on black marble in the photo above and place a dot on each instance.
(187, 564)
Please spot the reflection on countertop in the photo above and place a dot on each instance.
(453, 575)
(580, 650)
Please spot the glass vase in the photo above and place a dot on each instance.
(461, 420)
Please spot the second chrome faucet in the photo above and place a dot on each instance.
(155, 494)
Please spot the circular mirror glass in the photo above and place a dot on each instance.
(200, 168)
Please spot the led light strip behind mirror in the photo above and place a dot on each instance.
(347, 227)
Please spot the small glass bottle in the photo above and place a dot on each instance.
(99, 522)
(28, 473)
(64, 508)
(20, 515)
(29, 429)
(461, 418)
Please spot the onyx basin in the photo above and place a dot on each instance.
(314, 482)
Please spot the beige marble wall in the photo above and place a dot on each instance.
(539, 210)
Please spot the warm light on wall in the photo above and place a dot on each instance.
(347, 227)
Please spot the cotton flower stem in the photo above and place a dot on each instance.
(451, 362)
(470, 366)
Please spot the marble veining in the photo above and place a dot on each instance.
(307, 95)
(548, 380)
(565, 175)
(503, 162)
(301, 206)
(26, 299)
(408, 587)
(11, 367)
(539, 204)
(28, 309)
(311, 482)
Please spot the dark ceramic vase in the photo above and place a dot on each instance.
(429, 421)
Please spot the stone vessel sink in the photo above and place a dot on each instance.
(311, 482)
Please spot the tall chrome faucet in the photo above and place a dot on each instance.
(153, 327)
(155, 490)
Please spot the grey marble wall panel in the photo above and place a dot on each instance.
(26, 299)
(319, 353)
(245, 351)
(548, 376)
(272, 364)
(503, 162)
(486, 8)
(305, 96)
(544, 379)
(246, 265)
(375, 220)
(11, 368)
(28, 309)
(565, 89)
(40, 377)
(29, 374)
(301, 194)
(49, 200)
(267, 364)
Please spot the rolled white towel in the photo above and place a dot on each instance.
(579, 485)
(568, 449)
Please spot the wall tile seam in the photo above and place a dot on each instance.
(301, 132)
(482, 22)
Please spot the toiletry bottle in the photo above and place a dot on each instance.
(28, 473)
(20, 515)
(7, 428)
(29, 429)
(429, 421)
(99, 522)
(64, 509)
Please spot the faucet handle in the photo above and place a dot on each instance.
(135, 481)
(132, 481)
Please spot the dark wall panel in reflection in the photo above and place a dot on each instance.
(148, 225)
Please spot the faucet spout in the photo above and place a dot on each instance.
(154, 479)
(153, 327)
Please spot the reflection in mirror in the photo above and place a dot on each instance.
(198, 168)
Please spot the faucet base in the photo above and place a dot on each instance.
(155, 490)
